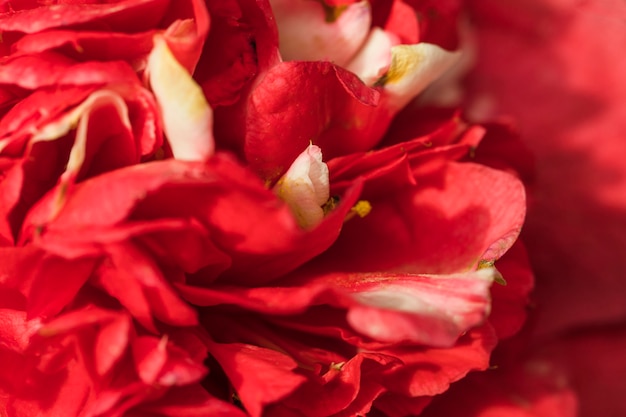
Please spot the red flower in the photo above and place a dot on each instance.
(320, 240)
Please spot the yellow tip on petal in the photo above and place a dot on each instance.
(187, 116)
(413, 68)
(497, 276)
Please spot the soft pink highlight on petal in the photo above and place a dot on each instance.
(307, 35)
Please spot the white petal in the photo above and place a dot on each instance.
(306, 34)
(374, 58)
(305, 187)
(413, 68)
(187, 116)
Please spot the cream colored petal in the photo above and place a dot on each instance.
(187, 116)
(310, 32)
(374, 58)
(305, 187)
(413, 68)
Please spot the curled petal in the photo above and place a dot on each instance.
(311, 31)
(187, 117)
(305, 187)
(413, 68)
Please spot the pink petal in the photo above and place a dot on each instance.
(374, 57)
(429, 310)
(306, 33)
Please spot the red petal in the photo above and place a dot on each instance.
(259, 376)
(46, 275)
(159, 362)
(438, 21)
(280, 123)
(430, 371)
(136, 281)
(87, 46)
(446, 224)
(123, 15)
(347, 389)
(188, 401)
(112, 331)
(398, 18)
(50, 69)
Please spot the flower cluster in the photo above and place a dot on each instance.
(235, 207)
